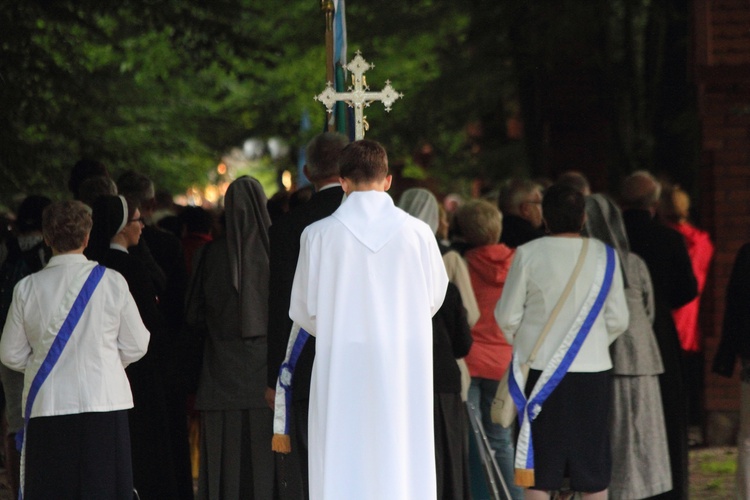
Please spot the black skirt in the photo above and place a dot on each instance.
(83, 455)
(571, 434)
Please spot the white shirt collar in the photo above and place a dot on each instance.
(66, 259)
(117, 246)
(329, 186)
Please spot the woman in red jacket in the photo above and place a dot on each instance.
(480, 225)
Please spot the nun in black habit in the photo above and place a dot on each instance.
(228, 303)
(117, 226)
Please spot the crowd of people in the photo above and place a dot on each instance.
(352, 331)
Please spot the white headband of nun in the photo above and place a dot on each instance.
(124, 214)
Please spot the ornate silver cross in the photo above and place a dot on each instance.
(358, 96)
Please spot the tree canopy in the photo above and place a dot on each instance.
(167, 87)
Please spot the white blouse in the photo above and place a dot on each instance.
(90, 374)
(539, 273)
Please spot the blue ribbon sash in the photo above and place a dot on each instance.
(56, 349)
(553, 373)
(283, 402)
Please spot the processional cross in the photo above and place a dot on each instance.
(358, 96)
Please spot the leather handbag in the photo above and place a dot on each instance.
(503, 410)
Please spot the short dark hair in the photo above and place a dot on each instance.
(197, 220)
(363, 161)
(564, 208)
(136, 187)
(29, 216)
(94, 187)
(575, 180)
(82, 170)
(322, 154)
(66, 224)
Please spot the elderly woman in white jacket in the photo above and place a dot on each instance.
(565, 425)
(72, 329)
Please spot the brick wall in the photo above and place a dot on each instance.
(722, 71)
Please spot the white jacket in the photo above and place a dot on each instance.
(90, 374)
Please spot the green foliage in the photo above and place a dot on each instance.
(168, 87)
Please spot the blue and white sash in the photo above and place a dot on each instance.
(281, 442)
(553, 373)
(57, 336)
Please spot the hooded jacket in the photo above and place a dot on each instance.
(490, 353)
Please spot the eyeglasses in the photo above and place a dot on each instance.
(532, 201)
(139, 220)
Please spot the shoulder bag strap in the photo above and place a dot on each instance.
(561, 300)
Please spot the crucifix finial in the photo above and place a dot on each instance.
(358, 95)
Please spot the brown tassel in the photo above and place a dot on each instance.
(525, 477)
(281, 443)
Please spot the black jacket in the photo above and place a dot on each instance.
(284, 238)
(735, 333)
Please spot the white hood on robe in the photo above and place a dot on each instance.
(371, 217)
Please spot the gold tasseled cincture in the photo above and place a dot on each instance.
(281, 443)
(524, 477)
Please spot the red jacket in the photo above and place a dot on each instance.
(490, 353)
(701, 250)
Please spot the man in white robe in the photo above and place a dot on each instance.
(368, 280)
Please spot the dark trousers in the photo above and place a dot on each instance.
(301, 409)
(79, 456)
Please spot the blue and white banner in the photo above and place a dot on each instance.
(339, 33)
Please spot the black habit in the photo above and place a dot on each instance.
(150, 433)
(284, 237)
(664, 251)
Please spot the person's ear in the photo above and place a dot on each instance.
(523, 210)
(345, 184)
(387, 182)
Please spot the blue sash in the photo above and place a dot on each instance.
(56, 349)
(556, 369)
(282, 405)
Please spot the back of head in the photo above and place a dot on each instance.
(94, 187)
(640, 191)
(576, 180)
(82, 170)
(564, 209)
(480, 223)
(66, 224)
(29, 217)
(196, 220)
(514, 192)
(322, 155)
(422, 204)
(363, 161)
(138, 188)
(674, 205)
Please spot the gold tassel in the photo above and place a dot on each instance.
(524, 477)
(281, 443)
